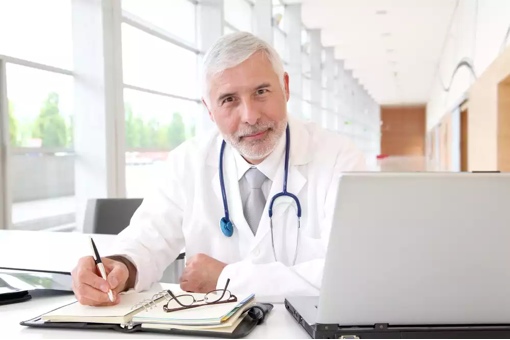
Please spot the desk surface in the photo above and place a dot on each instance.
(279, 324)
(55, 251)
(50, 251)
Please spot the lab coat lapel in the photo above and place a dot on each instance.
(299, 155)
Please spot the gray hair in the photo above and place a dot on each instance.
(233, 49)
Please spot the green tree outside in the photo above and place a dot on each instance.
(70, 132)
(50, 126)
(152, 134)
(13, 126)
(176, 131)
(129, 128)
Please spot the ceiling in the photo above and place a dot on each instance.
(392, 46)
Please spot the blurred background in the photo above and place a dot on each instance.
(95, 94)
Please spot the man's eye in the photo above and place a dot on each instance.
(228, 100)
(261, 91)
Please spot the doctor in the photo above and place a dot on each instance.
(216, 197)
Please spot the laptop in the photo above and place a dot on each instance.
(414, 255)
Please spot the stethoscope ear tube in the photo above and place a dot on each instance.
(227, 227)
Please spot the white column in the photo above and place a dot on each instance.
(293, 25)
(316, 74)
(209, 29)
(5, 190)
(340, 94)
(262, 20)
(329, 66)
(349, 87)
(209, 22)
(98, 101)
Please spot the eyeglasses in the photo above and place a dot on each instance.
(186, 301)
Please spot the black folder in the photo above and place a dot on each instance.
(254, 316)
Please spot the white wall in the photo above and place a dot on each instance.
(477, 33)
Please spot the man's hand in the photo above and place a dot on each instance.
(201, 274)
(90, 288)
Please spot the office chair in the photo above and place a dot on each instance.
(111, 215)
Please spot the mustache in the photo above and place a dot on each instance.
(249, 130)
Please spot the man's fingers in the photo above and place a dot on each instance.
(92, 279)
(118, 276)
(89, 287)
(114, 278)
(88, 295)
(86, 272)
(187, 286)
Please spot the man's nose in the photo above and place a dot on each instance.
(250, 113)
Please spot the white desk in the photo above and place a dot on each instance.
(50, 251)
(60, 252)
(279, 324)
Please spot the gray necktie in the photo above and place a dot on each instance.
(255, 201)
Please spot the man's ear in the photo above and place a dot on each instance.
(209, 111)
(286, 85)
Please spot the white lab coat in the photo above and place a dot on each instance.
(185, 210)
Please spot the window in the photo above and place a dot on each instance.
(307, 110)
(153, 63)
(325, 98)
(305, 40)
(227, 29)
(175, 16)
(279, 43)
(334, 121)
(35, 30)
(238, 13)
(278, 15)
(161, 89)
(325, 119)
(307, 89)
(41, 117)
(155, 125)
(324, 76)
(307, 68)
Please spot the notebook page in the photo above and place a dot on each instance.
(77, 311)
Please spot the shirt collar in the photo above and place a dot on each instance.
(268, 166)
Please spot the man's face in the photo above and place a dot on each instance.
(249, 106)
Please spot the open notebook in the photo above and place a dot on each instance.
(146, 308)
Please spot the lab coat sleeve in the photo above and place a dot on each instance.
(272, 279)
(154, 238)
(277, 279)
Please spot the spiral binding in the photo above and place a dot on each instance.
(148, 304)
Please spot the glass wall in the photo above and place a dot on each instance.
(161, 97)
(157, 47)
(39, 95)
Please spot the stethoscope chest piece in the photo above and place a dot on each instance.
(226, 227)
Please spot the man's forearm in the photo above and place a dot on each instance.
(130, 283)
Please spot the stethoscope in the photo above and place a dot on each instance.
(226, 225)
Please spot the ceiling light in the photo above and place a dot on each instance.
(381, 12)
(386, 34)
(390, 50)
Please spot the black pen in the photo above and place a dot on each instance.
(100, 266)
